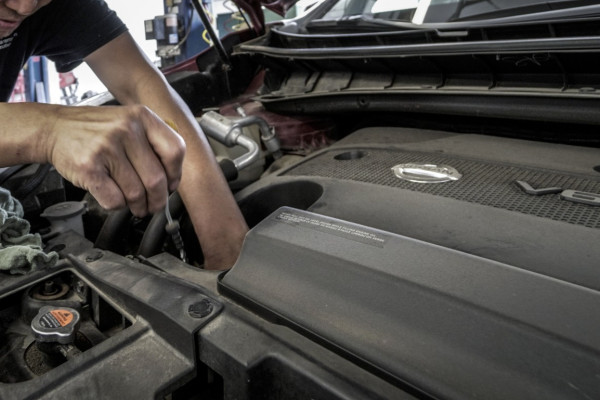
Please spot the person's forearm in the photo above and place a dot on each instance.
(132, 79)
(24, 132)
(218, 222)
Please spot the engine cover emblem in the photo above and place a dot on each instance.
(426, 173)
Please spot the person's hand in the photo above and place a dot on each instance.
(122, 155)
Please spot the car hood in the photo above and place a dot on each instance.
(254, 10)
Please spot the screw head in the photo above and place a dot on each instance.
(200, 309)
(94, 256)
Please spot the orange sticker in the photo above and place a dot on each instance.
(63, 317)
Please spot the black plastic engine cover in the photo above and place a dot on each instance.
(451, 324)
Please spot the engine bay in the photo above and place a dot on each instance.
(352, 283)
(424, 211)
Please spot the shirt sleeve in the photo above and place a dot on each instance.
(73, 29)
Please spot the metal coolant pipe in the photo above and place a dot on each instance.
(229, 133)
(247, 158)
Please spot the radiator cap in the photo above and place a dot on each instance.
(55, 324)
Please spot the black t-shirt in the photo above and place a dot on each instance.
(66, 31)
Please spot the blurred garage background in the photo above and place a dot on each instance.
(168, 31)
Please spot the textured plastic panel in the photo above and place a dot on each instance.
(486, 183)
(448, 323)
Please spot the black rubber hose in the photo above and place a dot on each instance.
(229, 169)
(155, 234)
(33, 183)
(10, 171)
(110, 235)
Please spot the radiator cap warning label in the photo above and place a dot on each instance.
(56, 318)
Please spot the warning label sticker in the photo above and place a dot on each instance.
(56, 319)
(63, 317)
(336, 228)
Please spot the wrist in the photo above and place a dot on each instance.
(47, 134)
